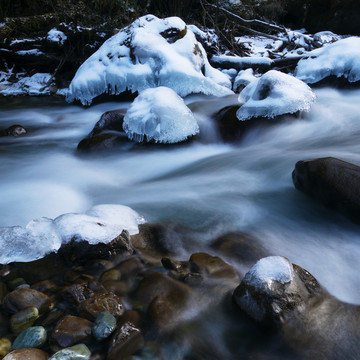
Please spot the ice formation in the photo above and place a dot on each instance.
(148, 53)
(341, 58)
(102, 223)
(269, 270)
(273, 94)
(243, 78)
(159, 114)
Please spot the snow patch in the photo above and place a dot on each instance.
(148, 53)
(56, 36)
(273, 94)
(243, 78)
(269, 270)
(102, 223)
(160, 115)
(341, 58)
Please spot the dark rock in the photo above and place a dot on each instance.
(14, 130)
(333, 182)
(131, 316)
(120, 288)
(158, 284)
(126, 341)
(28, 354)
(92, 307)
(113, 274)
(23, 319)
(70, 331)
(178, 266)
(162, 312)
(20, 299)
(231, 129)
(76, 293)
(130, 267)
(79, 250)
(46, 286)
(3, 291)
(4, 325)
(245, 248)
(13, 284)
(33, 337)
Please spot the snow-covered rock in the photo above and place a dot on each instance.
(341, 58)
(56, 36)
(159, 114)
(148, 53)
(243, 79)
(100, 224)
(273, 94)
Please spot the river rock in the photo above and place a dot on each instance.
(33, 337)
(80, 250)
(28, 354)
(4, 325)
(311, 321)
(70, 331)
(76, 293)
(3, 291)
(130, 267)
(243, 247)
(334, 182)
(22, 298)
(76, 352)
(5, 347)
(126, 341)
(92, 307)
(23, 319)
(13, 284)
(113, 274)
(104, 326)
(13, 130)
(162, 313)
(156, 284)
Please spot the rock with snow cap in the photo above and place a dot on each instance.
(148, 53)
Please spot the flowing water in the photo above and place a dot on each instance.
(211, 187)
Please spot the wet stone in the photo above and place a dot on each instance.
(69, 331)
(28, 354)
(126, 341)
(104, 326)
(5, 347)
(23, 319)
(120, 288)
(25, 297)
(76, 293)
(13, 284)
(100, 302)
(111, 275)
(32, 337)
(46, 286)
(76, 352)
(3, 291)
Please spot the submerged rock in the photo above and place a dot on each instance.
(13, 130)
(33, 337)
(334, 182)
(104, 325)
(23, 319)
(76, 352)
(28, 354)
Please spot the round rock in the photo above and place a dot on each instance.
(32, 337)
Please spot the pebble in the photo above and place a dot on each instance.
(5, 347)
(76, 352)
(27, 354)
(32, 337)
(104, 326)
(23, 319)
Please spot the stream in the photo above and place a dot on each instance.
(209, 186)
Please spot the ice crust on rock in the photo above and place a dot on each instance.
(159, 114)
(273, 94)
(102, 223)
(244, 78)
(269, 270)
(341, 58)
(148, 53)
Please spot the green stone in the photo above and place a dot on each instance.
(33, 337)
(105, 325)
(23, 319)
(76, 352)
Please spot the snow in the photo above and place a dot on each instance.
(57, 36)
(341, 58)
(243, 78)
(148, 53)
(269, 270)
(38, 84)
(161, 115)
(242, 62)
(102, 223)
(35, 52)
(273, 94)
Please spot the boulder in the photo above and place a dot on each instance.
(289, 299)
(334, 182)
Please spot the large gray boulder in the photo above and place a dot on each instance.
(315, 324)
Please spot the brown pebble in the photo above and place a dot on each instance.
(24, 297)
(27, 354)
(70, 331)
